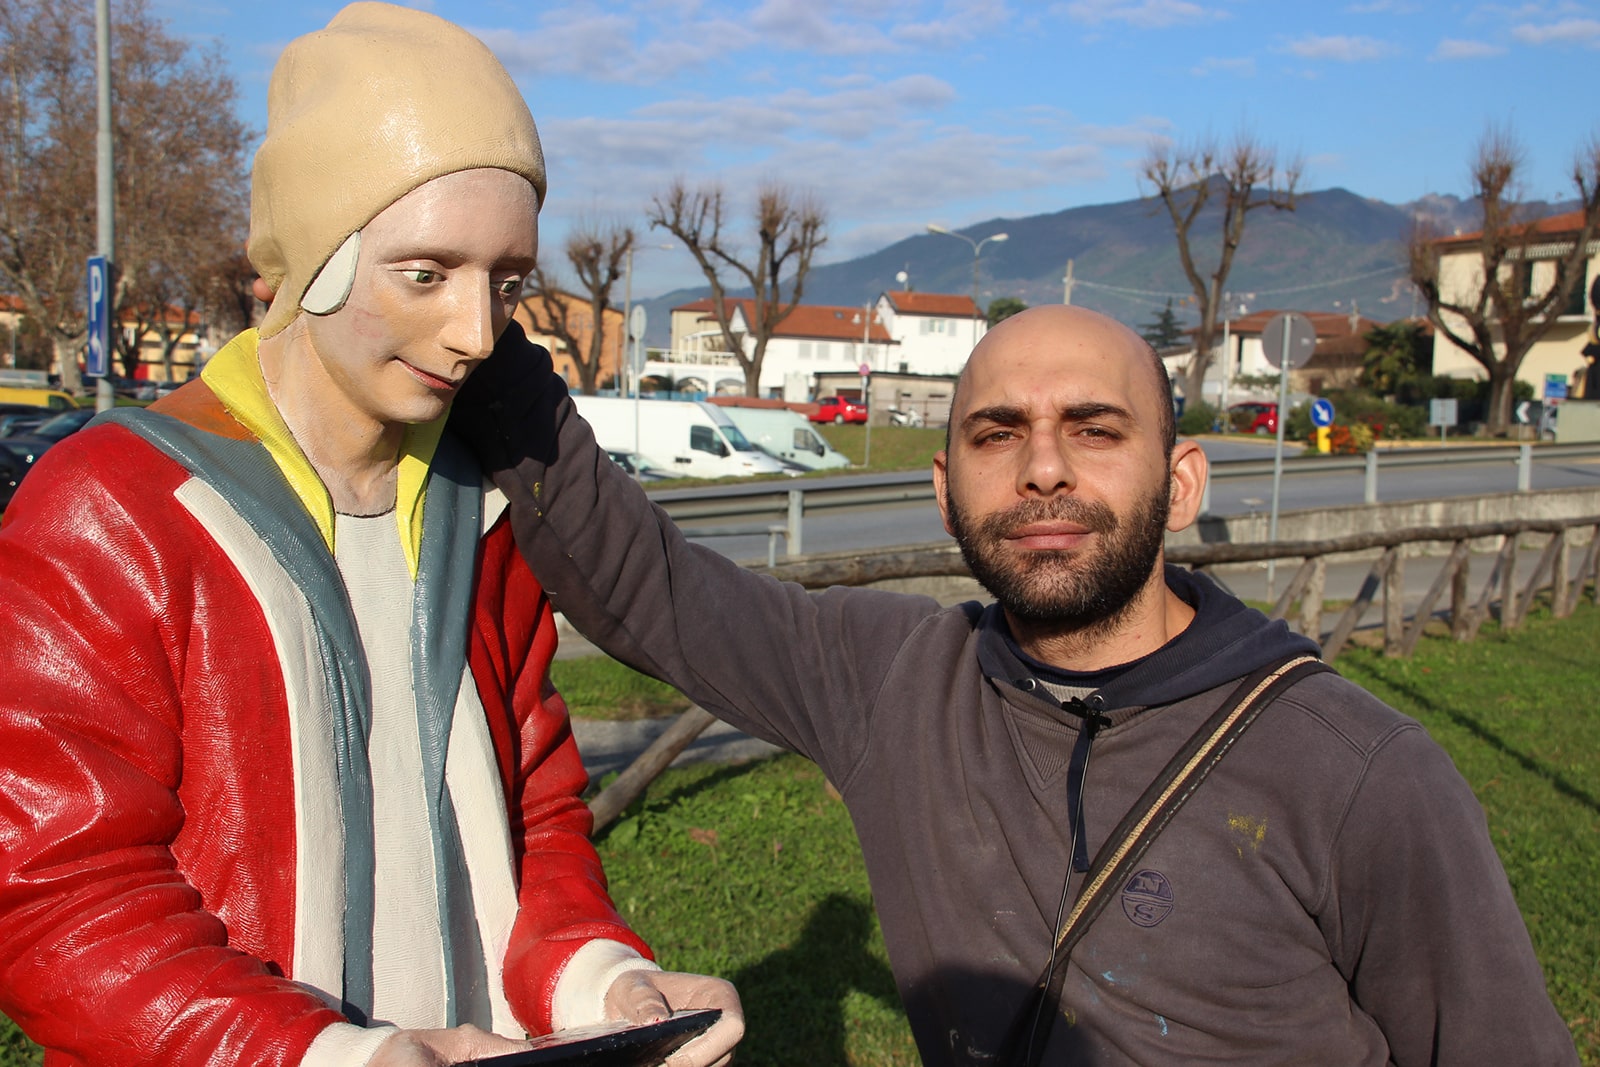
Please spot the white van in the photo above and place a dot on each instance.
(687, 437)
(786, 434)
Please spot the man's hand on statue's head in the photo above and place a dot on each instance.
(648, 996)
(442, 1048)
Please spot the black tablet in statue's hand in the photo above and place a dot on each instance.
(608, 1045)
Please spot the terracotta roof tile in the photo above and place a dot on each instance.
(1567, 223)
(819, 321)
(945, 304)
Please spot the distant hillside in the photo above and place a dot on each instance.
(1333, 249)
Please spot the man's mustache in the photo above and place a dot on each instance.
(1091, 515)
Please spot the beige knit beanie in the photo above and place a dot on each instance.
(358, 115)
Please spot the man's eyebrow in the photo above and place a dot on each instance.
(995, 415)
(1012, 415)
(1091, 409)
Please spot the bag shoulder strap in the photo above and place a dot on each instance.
(1132, 837)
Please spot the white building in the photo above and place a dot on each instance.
(935, 331)
(811, 339)
(916, 333)
(1556, 355)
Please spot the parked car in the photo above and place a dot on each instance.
(10, 476)
(22, 418)
(28, 447)
(838, 409)
(1253, 416)
(642, 469)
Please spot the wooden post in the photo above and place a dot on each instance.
(1448, 575)
(1311, 602)
(1460, 591)
(1293, 590)
(1589, 568)
(1508, 547)
(1358, 607)
(615, 798)
(1561, 578)
(1394, 605)
(1508, 583)
(1546, 563)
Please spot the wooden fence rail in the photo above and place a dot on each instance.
(1307, 588)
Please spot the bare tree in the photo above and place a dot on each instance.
(1496, 310)
(789, 231)
(597, 256)
(180, 158)
(1234, 181)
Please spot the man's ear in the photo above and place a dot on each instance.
(260, 291)
(1188, 472)
(941, 488)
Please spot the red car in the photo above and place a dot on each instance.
(1254, 416)
(837, 409)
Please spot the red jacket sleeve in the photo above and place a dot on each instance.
(561, 891)
(107, 955)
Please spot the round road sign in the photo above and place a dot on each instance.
(1293, 330)
(1321, 412)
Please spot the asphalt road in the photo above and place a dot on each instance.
(919, 523)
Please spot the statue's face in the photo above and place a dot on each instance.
(438, 276)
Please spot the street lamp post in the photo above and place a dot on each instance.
(977, 249)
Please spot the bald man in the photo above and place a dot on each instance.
(1328, 894)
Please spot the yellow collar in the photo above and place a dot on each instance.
(234, 375)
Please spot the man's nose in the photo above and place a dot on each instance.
(1046, 465)
(469, 328)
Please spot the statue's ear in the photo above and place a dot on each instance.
(331, 287)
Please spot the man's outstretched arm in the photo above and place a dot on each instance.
(799, 669)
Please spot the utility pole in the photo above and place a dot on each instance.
(1069, 282)
(105, 181)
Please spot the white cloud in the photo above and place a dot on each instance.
(1243, 67)
(1136, 135)
(961, 22)
(1339, 48)
(1383, 7)
(1145, 14)
(1567, 31)
(1451, 48)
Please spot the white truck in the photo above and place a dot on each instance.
(686, 437)
(787, 435)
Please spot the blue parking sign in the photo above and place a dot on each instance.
(99, 359)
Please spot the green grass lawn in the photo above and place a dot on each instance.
(752, 871)
(894, 448)
(595, 687)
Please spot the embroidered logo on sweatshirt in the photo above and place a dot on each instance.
(1147, 898)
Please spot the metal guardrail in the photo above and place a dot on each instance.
(761, 508)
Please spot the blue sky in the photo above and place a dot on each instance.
(896, 113)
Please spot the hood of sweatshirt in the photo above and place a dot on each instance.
(1226, 641)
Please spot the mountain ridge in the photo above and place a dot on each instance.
(1336, 251)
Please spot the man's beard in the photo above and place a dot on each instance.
(1065, 591)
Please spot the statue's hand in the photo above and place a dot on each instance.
(642, 996)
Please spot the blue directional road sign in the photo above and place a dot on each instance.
(1321, 412)
(99, 361)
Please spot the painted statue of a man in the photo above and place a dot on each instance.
(284, 778)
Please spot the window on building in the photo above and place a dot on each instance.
(805, 349)
(822, 350)
(1578, 302)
